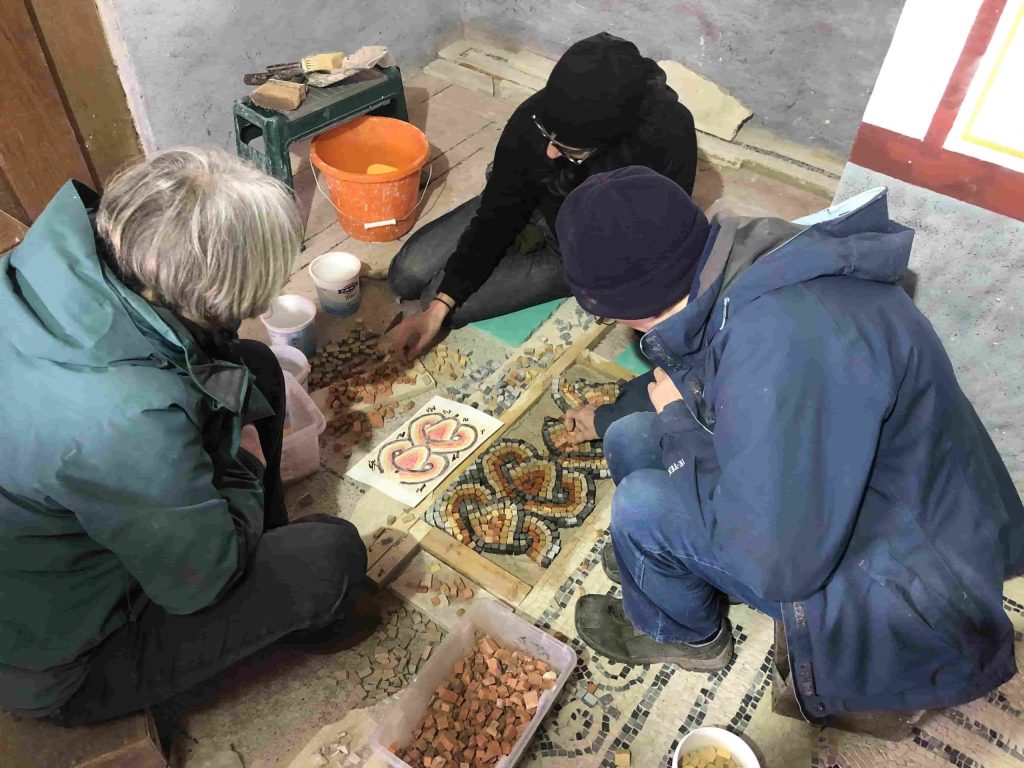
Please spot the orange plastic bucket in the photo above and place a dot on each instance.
(374, 207)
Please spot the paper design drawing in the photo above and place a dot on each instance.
(425, 450)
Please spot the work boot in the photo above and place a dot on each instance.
(610, 564)
(602, 624)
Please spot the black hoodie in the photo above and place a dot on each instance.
(649, 127)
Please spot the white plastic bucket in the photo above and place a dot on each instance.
(336, 277)
(289, 323)
(702, 738)
(294, 362)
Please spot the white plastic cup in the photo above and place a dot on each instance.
(294, 362)
(702, 738)
(336, 277)
(289, 322)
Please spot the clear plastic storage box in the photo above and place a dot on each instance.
(498, 622)
(300, 455)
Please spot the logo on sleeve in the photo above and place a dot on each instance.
(677, 465)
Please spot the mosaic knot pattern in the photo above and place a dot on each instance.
(575, 394)
(583, 457)
(512, 501)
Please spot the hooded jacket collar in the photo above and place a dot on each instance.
(854, 239)
(61, 303)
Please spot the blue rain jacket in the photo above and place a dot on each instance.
(826, 456)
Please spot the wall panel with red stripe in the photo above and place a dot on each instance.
(947, 113)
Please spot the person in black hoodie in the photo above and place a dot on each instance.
(604, 107)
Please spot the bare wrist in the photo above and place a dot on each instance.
(441, 306)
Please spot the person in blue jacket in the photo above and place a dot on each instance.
(144, 544)
(809, 453)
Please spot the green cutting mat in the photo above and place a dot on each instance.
(516, 327)
(632, 359)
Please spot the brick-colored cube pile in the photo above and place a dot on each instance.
(374, 388)
(481, 710)
(445, 593)
(355, 351)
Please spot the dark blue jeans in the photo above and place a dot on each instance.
(670, 590)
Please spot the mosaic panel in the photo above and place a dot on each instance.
(513, 500)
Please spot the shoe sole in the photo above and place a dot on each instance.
(712, 664)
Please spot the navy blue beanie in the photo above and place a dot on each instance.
(631, 240)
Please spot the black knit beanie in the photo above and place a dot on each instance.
(595, 92)
(631, 240)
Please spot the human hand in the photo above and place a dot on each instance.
(415, 334)
(580, 424)
(250, 441)
(662, 391)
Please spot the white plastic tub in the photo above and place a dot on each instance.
(700, 738)
(294, 362)
(300, 455)
(498, 622)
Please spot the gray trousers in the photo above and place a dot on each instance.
(520, 280)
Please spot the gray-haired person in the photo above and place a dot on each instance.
(143, 545)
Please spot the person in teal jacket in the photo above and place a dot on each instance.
(143, 545)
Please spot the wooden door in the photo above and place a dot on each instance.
(65, 114)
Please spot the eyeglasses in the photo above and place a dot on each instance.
(574, 155)
(605, 320)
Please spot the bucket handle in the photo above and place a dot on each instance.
(385, 222)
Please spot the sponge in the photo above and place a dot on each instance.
(279, 94)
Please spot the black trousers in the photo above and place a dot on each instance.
(269, 379)
(520, 280)
(302, 576)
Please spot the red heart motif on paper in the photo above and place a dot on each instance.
(443, 434)
(422, 456)
(411, 463)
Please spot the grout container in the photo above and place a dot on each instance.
(303, 423)
(708, 736)
(489, 618)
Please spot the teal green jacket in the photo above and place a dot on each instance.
(121, 480)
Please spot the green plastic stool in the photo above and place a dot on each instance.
(377, 91)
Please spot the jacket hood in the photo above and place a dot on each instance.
(853, 239)
(595, 91)
(61, 303)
